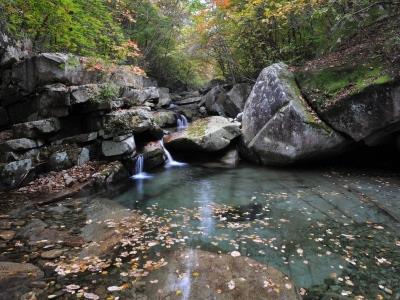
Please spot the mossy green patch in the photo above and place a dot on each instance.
(324, 87)
(197, 129)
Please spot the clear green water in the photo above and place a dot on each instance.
(328, 231)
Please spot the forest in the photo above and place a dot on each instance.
(192, 41)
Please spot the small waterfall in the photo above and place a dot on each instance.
(139, 174)
(182, 122)
(170, 160)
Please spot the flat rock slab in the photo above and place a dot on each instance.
(7, 235)
(196, 274)
(209, 135)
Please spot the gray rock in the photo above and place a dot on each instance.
(140, 96)
(9, 156)
(54, 101)
(165, 98)
(279, 127)
(36, 129)
(227, 101)
(19, 145)
(124, 77)
(370, 115)
(67, 159)
(154, 155)
(12, 173)
(165, 118)
(48, 68)
(210, 135)
(34, 227)
(84, 93)
(135, 120)
(111, 148)
(192, 100)
(113, 173)
(11, 51)
(79, 139)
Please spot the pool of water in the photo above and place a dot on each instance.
(331, 232)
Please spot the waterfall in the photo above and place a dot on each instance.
(182, 122)
(170, 160)
(139, 174)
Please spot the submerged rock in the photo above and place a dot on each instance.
(15, 279)
(208, 275)
(279, 127)
(209, 135)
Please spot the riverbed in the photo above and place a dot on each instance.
(224, 233)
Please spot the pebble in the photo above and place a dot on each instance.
(51, 254)
(7, 235)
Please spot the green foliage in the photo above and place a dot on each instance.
(106, 94)
(245, 36)
(84, 27)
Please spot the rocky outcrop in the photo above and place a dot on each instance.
(370, 116)
(279, 127)
(208, 135)
(227, 100)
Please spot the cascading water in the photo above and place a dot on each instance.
(170, 160)
(182, 122)
(139, 174)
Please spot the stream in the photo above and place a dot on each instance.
(192, 231)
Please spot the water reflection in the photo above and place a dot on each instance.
(205, 198)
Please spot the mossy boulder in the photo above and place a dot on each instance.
(279, 127)
(360, 100)
(210, 134)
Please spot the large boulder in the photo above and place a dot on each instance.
(279, 127)
(227, 100)
(118, 146)
(154, 155)
(136, 120)
(209, 135)
(11, 174)
(36, 129)
(370, 115)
